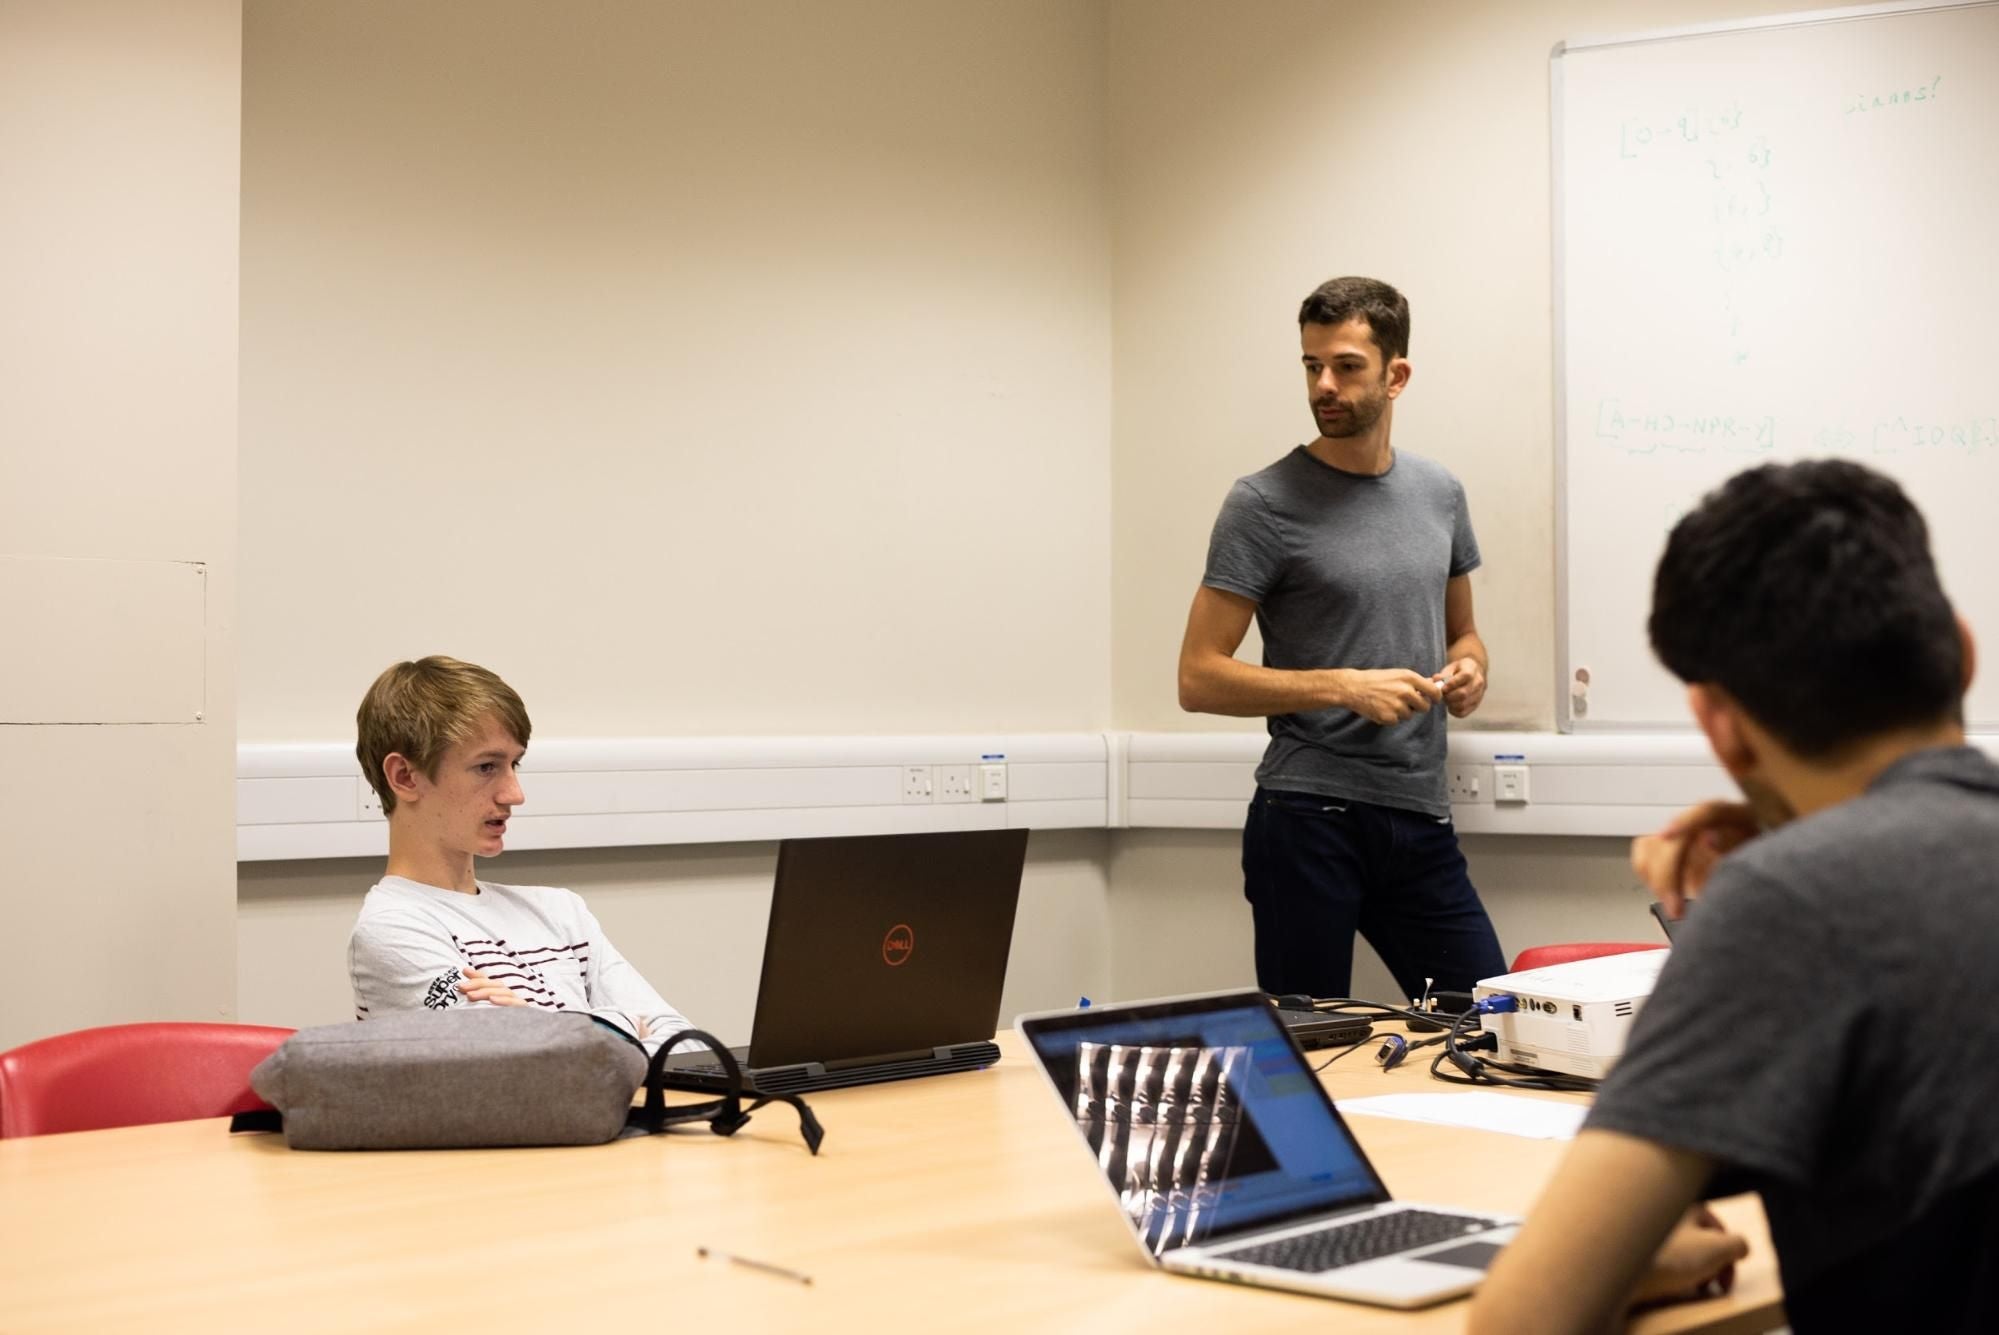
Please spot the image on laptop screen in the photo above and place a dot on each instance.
(1202, 1119)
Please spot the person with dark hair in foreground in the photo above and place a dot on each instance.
(1819, 1034)
(1355, 560)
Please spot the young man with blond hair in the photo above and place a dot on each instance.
(440, 742)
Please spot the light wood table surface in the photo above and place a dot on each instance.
(957, 1203)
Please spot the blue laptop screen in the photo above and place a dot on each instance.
(1202, 1116)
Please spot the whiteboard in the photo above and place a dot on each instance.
(1773, 240)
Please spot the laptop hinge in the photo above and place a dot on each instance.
(884, 1058)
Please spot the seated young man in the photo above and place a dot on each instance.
(440, 741)
(1822, 1031)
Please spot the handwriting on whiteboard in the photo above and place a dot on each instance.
(1901, 97)
(1631, 427)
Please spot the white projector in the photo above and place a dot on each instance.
(1573, 1017)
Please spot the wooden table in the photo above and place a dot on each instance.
(962, 1202)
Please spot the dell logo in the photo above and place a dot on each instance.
(898, 945)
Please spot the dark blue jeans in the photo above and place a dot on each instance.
(1318, 869)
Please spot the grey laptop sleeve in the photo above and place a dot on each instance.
(504, 1076)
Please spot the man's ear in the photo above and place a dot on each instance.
(402, 776)
(1721, 719)
(1970, 648)
(1399, 371)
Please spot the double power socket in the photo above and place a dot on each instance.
(954, 783)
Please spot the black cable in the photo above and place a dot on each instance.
(1477, 1071)
(1527, 1077)
(1470, 1070)
(1361, 1043)
(1373, 1010)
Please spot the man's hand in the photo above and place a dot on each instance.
(1697, 1260)
(1587, 1253)
(478, 987)
(1675, 863)
(1387, 695)
(1463, 684)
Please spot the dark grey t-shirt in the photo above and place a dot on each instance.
(1348, 571)
(1826, 1030)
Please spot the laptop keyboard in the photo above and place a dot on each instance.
(1362, 1240)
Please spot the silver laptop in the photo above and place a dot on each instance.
(1229, 1161)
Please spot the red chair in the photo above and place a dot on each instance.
(130, 1075)
(1540, 957)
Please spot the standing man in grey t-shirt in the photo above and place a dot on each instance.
(1355, 560)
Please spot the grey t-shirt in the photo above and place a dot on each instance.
(1825, 1030)
(1348, 571)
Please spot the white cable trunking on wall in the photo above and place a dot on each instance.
(307, 800)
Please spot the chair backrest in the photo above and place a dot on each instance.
(131, 1074)
(1540, 957)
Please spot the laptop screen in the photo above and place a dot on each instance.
(1202, 1115)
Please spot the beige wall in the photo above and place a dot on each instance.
(702, 368)
(1179, 923)
(1257, 149)
(118, 238)
(774, 369)
(691, 919)
(1260, 148)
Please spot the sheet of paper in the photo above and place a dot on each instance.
(1537, 1119)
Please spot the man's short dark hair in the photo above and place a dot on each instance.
(1807, 592)
(1386, 311)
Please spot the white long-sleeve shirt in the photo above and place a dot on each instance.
(412, 942)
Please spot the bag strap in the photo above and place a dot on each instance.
(725, 1115)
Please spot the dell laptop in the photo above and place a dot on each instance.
(1228, 1160)
(884, 959)
(1324, 1029)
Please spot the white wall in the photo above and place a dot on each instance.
(119, 122)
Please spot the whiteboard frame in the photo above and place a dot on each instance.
(1565, 719)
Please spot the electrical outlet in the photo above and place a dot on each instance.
(917, 783)
(954, 784)
(1465, 784)
(1509, 783)
(992, 783)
